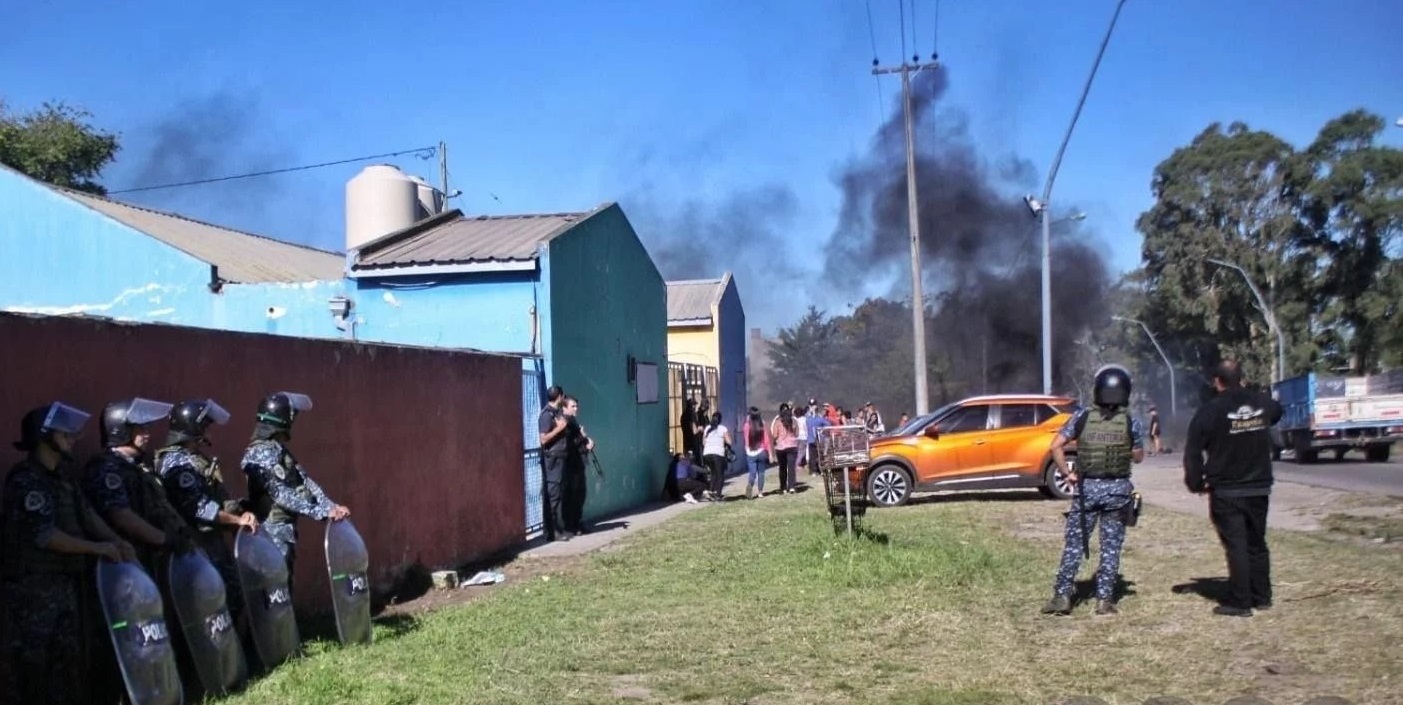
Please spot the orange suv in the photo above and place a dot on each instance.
(980, 443)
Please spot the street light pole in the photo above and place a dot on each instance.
(1173, 394)
(1047, 216)
(1280, 372)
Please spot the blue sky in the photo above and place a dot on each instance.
(553, 105)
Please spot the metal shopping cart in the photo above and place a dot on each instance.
(843, 455)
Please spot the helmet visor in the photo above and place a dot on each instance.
(298, 402)
(65, 419)
(145, 411)
(214, 413)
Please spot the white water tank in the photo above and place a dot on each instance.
(379, 200)
(430, 198)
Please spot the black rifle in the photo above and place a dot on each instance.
(1081, 516)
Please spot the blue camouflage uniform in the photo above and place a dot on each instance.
(41, 593)
(1105, 499)
(281, 491)
(112, 481)
(195, 488)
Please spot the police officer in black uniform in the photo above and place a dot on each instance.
(1233, 430)
(195, 487)
(49, 529)
(278, 486)
(125, 491)
(1108, 442)
(552, 426)
(578, 446)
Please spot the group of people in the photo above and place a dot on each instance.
(566, 449)
(789, 440)
(130, 503)
(1227, 456)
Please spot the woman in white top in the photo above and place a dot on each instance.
(715, 440)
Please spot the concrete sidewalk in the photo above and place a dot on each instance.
(607, 530)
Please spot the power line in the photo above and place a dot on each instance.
(881, 99)
(901, 6)
(421, 152)
(935, 34)
(914, 44)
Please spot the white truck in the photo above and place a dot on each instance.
(1340, 414)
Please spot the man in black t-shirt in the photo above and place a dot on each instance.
(552, 426)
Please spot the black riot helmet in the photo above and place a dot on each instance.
(120, 419)
(278, 410)
(189, 419)
(38, 426)
(1112, 386)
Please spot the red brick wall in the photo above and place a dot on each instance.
(424, 446)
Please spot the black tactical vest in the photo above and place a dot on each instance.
(20, 556)
(208, 470)
(1103, 449)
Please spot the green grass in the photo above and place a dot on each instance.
(758, 602)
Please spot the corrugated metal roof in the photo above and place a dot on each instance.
(242, 258)
(452, 238)
(692, 300)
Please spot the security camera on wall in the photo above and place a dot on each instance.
(276, 311)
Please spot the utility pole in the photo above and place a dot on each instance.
(443, 168)
(918, 302)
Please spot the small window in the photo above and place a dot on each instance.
(970, 418)
(1019, 415)
(646, 376)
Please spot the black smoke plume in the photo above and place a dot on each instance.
(214, 136)
(980, 251)
(746, 233)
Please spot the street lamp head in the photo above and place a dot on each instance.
(1034, 206)
(1399, 122)
(1077, 216)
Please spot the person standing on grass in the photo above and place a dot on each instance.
(758, 453)
(716, 439)
(1233, 431)
(1109, 442)
(785, 430)
(801, 451)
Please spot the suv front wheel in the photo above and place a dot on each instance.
(888, 486)
(1055, 484)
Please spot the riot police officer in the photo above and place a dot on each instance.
(124, 490)
(1108, 442)
(278, 486)
(48, 530)
(195, 487)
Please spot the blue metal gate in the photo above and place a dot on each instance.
(533, 384)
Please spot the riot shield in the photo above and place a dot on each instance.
(201, 606)
(267, 598)
(136, 621)
(347, 562)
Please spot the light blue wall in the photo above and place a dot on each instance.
(731, 338)
(62, 257)
(487, 311)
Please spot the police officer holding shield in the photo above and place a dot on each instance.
(279, 487)
(126, 493)
(49, 529)
(195, 487)
(1108, 442)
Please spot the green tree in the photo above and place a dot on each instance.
(1352, 202)
(56, 144)
(1228, 196)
